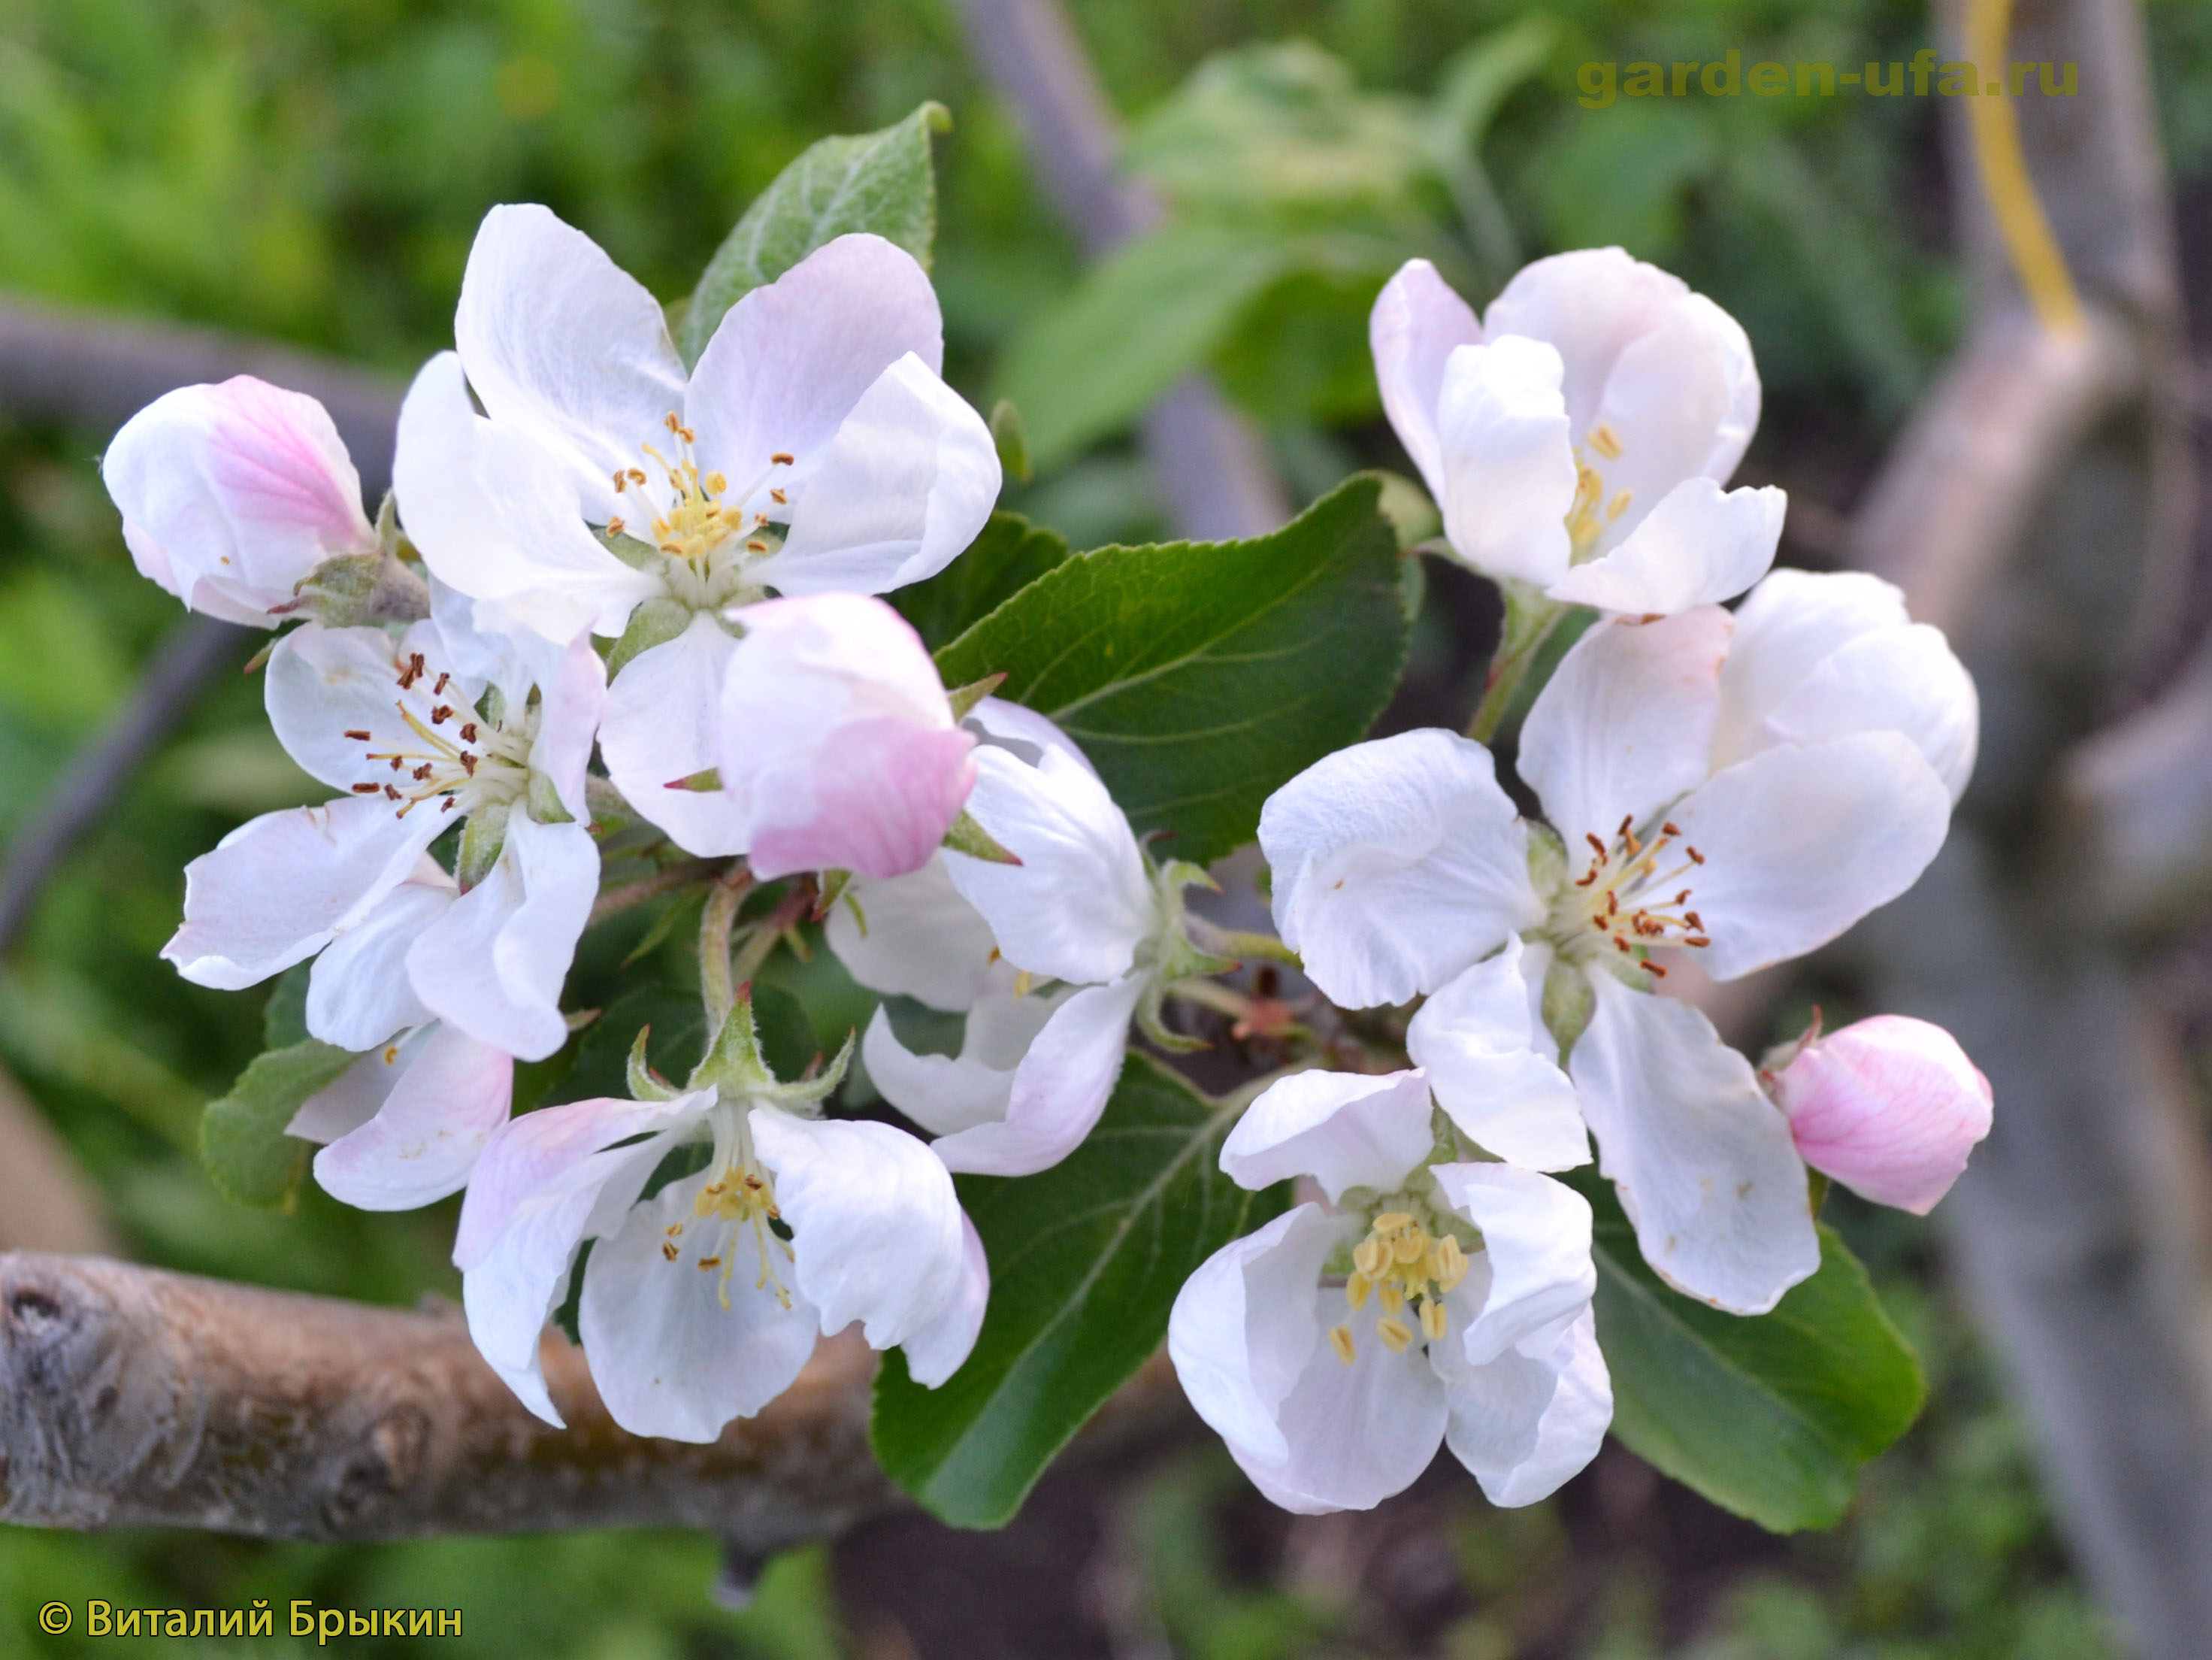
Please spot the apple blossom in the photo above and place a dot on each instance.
(405, 1122)
(1432, 1300)
(1890, 1107)
(1577, 438)
(1733, 787)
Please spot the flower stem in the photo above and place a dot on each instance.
(616, 900)
(762, 936)
(717, 988)
(1244, 947)
(1530, 620)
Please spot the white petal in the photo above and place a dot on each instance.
(1397, 863)
(482, 652)
(494, 964)
(1905, 680)
(350, 1100)
(1416, 324)
(874, 1222)
(1080, 904)
(1508, 470)
(279, 888)
(562, 344)
(660, 723)
(321, 683)
(1799, 843)
(1344, 1129)
(1537, 1273)
(915, 936)
(496, 515)
(1059, 1090)
(1700, 546)
(790, 360)
(1476, 1041)
(569, 706)
(1523, 1427)
(671, 1356)
(1785, 629)
(425, 1139)
(939, 1348)
(945, 1094)
(1242, 1328)
(1023, 730)
(1624, 726)
(358, 993)
(1703, 1160)
(1590, 304)
(903, 488)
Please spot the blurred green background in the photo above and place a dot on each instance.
(313, 170)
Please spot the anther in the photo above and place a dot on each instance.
(782, 458)
(368, 789)
(469, 732)
(442, 714)
(358, 737)
(391, 792)
(468, 763)
(1433, 1320)
(756, 547)
(1696, 858)
(1654, 968)
(1669, 827)
(1621, 945)
(1604, 441)
(667, 1250)
(1691, 916)
(1396, 1335)
(779, 498)
(420, 773)
(438, 691)
(706, 1263)
(621, 481)
(1340, 1339)
(636, 474)
(614, 526)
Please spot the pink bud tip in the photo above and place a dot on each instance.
(1889, 1107)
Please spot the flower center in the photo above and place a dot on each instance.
(447, 752)
(1404, 1267)
(1594, 512)
(704, 515)
(1632, 898)
(741, 1199)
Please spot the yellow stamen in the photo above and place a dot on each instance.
(1396, 1334)
(1433, 1320)
(1340, 1339)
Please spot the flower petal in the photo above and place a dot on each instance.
(1397, 863)
(1626, 724)
(680, 1347)
(1508, 470)
(279, 888)
(1703, 1161)
(1417, 323)
(1699, 545)
(876, 802)
(874, 1223)
(1799, 843)
(1344, 1129)
(902, 489)
(425, 1139)
(939, 1348)
(1476, 1042)
(1537, 1272)
(945, 1094)
(350, 1100)
(915, 936)
(569, 706)
(358, 993)
(1522, 1426)
(495, 963)
(561, 343)
(1059, 1090)
(1905, 680)
(1787, 627)
(661, 726)
(1890, 1107)
(1591, 304)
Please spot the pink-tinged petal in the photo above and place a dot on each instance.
(1890, 1107)
(1535, 1270)
(322, 683)
(1344, 1130)
(495, 963)
(791, 360)
(939, 1348)
(1397, 863)
(1699, 546)
(876, 803)
(662, 713)
(1417, 323)
(358, 993)
(1625, 726)
(496, 516)
(1591, 304)
(681, 1345)
(905, 486)
(354, 1097)
(1522, 1425)
(1509, 468)
(846, 640)
(1476, 1039)
(235, 492)
(1703, 1160)
(1058, 1089)
(279, 888)
(425, 1139)
(562, 345)
(916, 936)
(569, 707)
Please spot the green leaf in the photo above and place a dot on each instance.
(1156, 310)
(1201, 677)
(1085, 1262)
(242, 1137)
(878, 181)
(284, 1016)
(1770, 1417)
(1011, 554)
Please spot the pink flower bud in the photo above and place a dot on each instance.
(1889, 1107)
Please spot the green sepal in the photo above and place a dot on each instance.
(655, 622)
(697, 782)
(544, 800)
(646, 1084)
(1010, 438)
(1569, 1003)
(966, 697)
(830, 888)
(966, 835)
(482, 837)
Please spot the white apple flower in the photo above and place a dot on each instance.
(441, 725)
(702, 1300)
(1745, 788)
(232, 495)
(405, 1122)
(813, 449)
(1433, 1301)
(1577, 438)
(1050, 958)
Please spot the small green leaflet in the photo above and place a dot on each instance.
(879, 181)
(1011, 554)
(1199, 677)
(242, 1139)
(1770, 1417)
(1086, 1258)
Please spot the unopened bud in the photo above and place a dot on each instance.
(1889, 1107)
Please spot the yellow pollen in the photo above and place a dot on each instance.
(1340, 1339)
(1396, 1334)
(1606, 442)
(1434, 1321)
(1023, 981)
(742, 1199)
(1404, 1267)
(1357, 1290)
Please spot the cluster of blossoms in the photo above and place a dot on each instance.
(590, 551)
